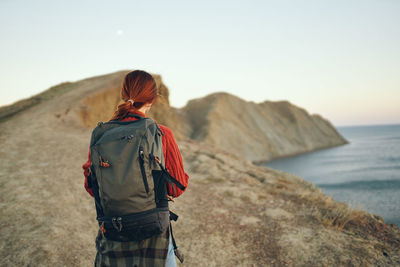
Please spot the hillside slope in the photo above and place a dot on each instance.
(233, 212)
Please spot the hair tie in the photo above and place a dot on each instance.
(130, 100)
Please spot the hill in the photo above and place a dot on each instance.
(233, 212)
(257, 132)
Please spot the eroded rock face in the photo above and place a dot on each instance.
(258, 132)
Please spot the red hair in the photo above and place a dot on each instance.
(138, 86)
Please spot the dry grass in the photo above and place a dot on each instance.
(213, 180)
(228, 193)
(340, 216)
(337, 215)
(7, 112)
(245, 199)
(328, 211)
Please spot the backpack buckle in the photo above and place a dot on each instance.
(117, 223)
(102, 229)
(170, 198)
(155, 158)
(104, 164)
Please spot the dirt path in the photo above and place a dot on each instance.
(232, 214)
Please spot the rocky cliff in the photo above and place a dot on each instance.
(256, 132)
(233, 213)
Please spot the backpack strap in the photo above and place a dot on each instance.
(168, 177)
(95, 190)
(176, 250)
(173, 216)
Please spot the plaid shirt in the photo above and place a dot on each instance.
(146, 253)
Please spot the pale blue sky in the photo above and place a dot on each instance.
(340, 59)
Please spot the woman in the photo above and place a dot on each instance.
(139, 92)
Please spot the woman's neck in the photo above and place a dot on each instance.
(144, 108)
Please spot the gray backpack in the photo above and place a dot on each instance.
(128, 179)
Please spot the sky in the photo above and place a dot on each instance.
(339, 59)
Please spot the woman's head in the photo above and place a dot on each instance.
(138, 88)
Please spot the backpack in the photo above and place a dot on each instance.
(128, 179)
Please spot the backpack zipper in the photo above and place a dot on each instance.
(141, 161)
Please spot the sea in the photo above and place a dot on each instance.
(364, 173)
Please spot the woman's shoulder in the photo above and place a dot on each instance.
(166, 131)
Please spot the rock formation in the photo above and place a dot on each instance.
(256, 132)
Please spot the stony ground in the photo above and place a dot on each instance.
(232, 214)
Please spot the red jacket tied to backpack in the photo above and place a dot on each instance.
(172, 156)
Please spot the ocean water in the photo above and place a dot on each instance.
(365, 173)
